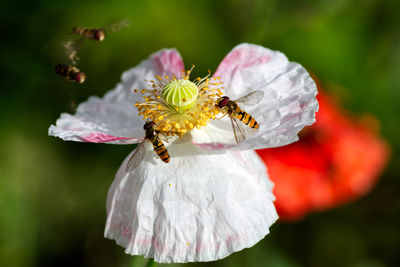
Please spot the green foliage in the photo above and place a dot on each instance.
(52, 193)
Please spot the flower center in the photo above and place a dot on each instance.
(179, 105)
(181, 94)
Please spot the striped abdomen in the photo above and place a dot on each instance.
(246, 118)
(160, 149)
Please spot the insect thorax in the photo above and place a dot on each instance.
(150, 134)
(232, 106)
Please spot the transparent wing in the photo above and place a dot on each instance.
(118, 25)
(64, 48)
(238, 128)
(136, 157)
(71, 48)
(252, 98)
(164, 138)
(166, 135)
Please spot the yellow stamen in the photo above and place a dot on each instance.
(179, 105)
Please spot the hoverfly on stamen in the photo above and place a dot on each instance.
(152, 136)
(235, 113)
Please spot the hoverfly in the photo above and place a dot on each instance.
(95, 34)
(235, 113)
(73, 45)
(152, 136)
(71, 73)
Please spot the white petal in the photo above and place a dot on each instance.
(289, 101)
(114, 118)
(198, 207)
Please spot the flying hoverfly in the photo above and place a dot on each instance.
(71, 73)
(65, 66)
(152, 136)
(72, 45)
(235, 113)
(66, 48)
(95, 34)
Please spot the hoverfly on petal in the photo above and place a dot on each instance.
(152, 136)
(235, 113)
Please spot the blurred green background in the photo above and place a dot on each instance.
(53, 193)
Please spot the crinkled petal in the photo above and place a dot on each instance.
(114, 118)
(289, 101)
(198, 207)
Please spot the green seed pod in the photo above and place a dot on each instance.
(180, 95)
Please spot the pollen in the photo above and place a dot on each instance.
(179, 105)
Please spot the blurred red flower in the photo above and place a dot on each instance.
(338, 159)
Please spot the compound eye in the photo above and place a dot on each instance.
(80, 77)
(100, 35)
(223, 102)
(149, 124)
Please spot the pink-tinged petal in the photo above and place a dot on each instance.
(289, 102)
(190, 209)
(102, 138)
(114, 118)
(169, 62)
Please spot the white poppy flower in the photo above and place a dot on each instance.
(214, 197)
